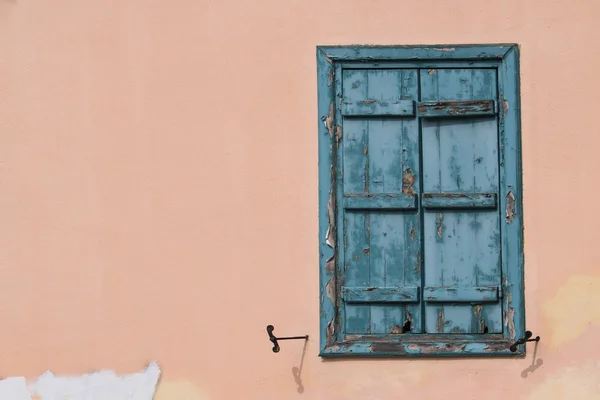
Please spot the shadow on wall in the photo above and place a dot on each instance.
(535, 362)
(297, 371)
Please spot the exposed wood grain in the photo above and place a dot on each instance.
(398, 294)
(464, 108)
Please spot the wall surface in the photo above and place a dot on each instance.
(158, 193)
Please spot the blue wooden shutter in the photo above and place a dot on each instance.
(380, 242)
(462, 268)
(419, 159)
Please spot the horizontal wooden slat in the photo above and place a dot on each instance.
(404, 294)
(473, 294)
(432, 109)
(383, 201)
(459, 200)
(371, 107)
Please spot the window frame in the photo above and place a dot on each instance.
(504, 57)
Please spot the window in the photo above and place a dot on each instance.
(421, 240)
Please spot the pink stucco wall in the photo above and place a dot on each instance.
(158, 192)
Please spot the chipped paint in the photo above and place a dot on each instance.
(329, 119)
(440, 225)
(431, 71)
(338, 136)
(408, 182)
(329, 236)
(412, 233)
(510, 207)
(397, 329)
(505, 106)
(440, 321)
(509, 321)
(444, 48)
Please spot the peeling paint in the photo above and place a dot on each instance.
(329, 236)
(440, 321)
(408, 182)
(505, 106)
(331, 295)
(329, 119)
(338, 135)
(431, 71)
(510, 207)
(445, 48)
(397, 329)
(440, 225)
(412, 233)
(330, 77)
(509, 320)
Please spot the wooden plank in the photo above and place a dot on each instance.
(461, 247)
(356, 267)
(474, 294)
(384, 201)
(373, 108)
(393, 153)
(357, 294)
(463, 108)
(459, 200)
(511, 197)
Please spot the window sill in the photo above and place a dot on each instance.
(433, 346)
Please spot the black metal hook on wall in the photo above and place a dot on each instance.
(524, 340)
(274, 339)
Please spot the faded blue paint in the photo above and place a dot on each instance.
(370, 163)
(459, 200)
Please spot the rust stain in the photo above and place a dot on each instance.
(431, 71)
(440, 321)
(412, 233)
(510, 207)
(408, 182)
(440, 227)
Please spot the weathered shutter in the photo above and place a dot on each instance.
(419, 159)
(462, 268)
(380, 241)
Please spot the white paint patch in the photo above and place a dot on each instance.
(103, 385)
(14, 389)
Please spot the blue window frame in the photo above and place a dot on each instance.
(420, 198)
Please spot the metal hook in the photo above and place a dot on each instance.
(274, 339)
(524, 340)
